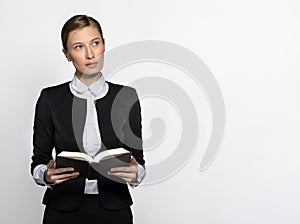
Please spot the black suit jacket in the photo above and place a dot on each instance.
(59, 123)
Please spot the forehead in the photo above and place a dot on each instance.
(84, 34)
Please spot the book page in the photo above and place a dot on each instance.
(76, 155)
(109, 154)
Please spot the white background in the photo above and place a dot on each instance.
(252, 48)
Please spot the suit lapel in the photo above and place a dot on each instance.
(79, 110)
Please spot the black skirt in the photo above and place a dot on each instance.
(89, 212)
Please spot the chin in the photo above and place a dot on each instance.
(91, 72)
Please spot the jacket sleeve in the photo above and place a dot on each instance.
(133, 128)
(43, 131)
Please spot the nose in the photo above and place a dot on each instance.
(89, 53)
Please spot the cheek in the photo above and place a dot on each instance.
(77, 58)
(100, 51)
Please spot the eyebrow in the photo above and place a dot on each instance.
(96, 38)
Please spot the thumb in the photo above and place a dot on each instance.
(51, 164)
(133, 161)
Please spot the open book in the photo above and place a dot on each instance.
(89, 166)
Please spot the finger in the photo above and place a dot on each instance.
(62, 170)
(51, 171)
(124, 169)
(128, 177)
(127, 180)
(124, 175)
(56, 178)
(133, 161)
(51, 164)
(63, 176)
(63, 180)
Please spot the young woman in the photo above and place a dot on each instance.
(77, 116)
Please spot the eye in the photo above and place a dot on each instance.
(78, 47)
(96, 43)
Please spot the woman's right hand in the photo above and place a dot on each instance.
(57, 176)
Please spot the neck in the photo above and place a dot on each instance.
(88, 79)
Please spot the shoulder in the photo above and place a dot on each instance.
(56, 89)
(54, 93)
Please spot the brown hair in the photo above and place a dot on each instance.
(78, 22)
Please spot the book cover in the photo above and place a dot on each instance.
(90, 167)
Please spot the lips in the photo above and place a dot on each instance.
(91, 64)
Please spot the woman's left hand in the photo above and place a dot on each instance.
(129, 174)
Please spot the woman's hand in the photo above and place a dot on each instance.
(129, 174)
(57, 176)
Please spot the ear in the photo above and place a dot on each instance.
(66, 54)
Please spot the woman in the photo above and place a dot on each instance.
(91, 115)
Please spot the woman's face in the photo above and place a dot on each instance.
(85, 50)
